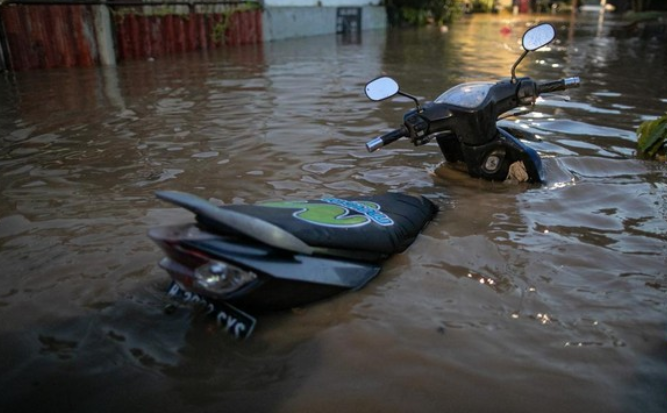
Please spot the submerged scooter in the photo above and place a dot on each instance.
(464, 119)
(241, 259)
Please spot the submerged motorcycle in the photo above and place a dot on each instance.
(464, 119)
(242, 259)
(277, 255)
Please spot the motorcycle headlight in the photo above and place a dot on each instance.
(222, 278)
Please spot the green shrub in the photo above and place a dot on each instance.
(651, 138)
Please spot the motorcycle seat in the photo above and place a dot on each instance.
(371, 226)
(383, 224)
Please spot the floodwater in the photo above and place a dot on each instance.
(516, 298)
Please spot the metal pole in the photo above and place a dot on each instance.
(104, 35)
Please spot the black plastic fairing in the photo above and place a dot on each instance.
(297, 267)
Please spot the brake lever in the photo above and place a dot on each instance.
(555, 96)
(526, 110)
(516, 112)
(423, 140)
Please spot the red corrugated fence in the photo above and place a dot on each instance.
(42, 37)
(139, 36)
(48, 36)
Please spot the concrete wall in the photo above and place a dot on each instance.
(286, 22)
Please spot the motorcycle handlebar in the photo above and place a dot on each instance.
(557, 85)
(386, 139)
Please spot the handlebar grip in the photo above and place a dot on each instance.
(557, 85)
(386, 139)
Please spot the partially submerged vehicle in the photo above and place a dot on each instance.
(240, 260)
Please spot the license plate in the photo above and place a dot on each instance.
(232, 320)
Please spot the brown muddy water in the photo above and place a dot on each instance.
(545, 298)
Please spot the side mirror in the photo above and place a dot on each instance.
(538, 36)
(381, 88)
(533, 39)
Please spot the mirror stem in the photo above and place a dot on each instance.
(525, 52)
(419, 107)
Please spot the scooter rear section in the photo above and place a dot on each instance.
(242, 259)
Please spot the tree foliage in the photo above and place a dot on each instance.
(651, 137)
(421, 12)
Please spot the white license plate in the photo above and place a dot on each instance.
(234, 321)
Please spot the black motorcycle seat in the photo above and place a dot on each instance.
(384, 224)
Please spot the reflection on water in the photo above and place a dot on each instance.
(547, 298)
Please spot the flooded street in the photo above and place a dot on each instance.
(516, 298)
